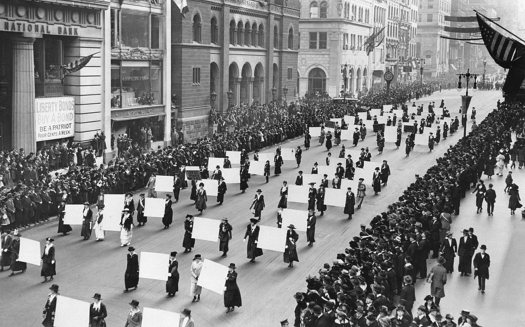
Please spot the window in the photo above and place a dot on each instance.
(429, 17)
(290, 38)
(430, 4)
(345, 41)
(115, 33)
(290, 74)
(240, 39)
(420, 17)
(137, 83)
(275, 37)
(197, 29)
(196, 76)
(261, 36)
(247, 34)
(232, 32)
(317, 81)
(314, 10)
(214, 31)
(254, 34)
(135, 30)
(323, 38)
(323, 12)
(155, 31)
(299, 41)
(48, 59)
(313, 40)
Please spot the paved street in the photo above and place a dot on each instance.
(86, 267)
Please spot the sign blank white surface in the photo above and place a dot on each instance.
(234, 156)
(335, 161)
(369, 125)
(29, 251)
(346, 183)
(298, 194)
(256, 168)
(213, 276)
(375, 112)
(232, 175)
(315, 131)
(206, 229)
(296, 217)
(154, 207)
(390, 134)
(71, 312)
(349, 120)
(422, 139)
(272, 238)
(164, 184)
(309, 178)
(113, 205)
(398, 112)
(154, 265)
(266, 156)
(366, 173)
(328, 170)
(210, 186)
(214, 162)
(159, 318)
(288, 154)
(412, 110)
(438, 111)
(362, 115)
(74, 214)
(335, 197)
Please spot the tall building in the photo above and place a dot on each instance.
(332, 55)
(246, 50)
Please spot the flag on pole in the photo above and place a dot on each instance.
(183, 7)
(77, 65)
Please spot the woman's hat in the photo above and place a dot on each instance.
(134, 303)
(232, 266)
(173, 254)
(259, 190)
(131, 249)
(197, 256)
(428, 297)
(54, 287)
(125, 210)
(97, 296)
(50, 239)
(186, 312)
(86, 203)
(483, 247)
(291, 226)
(254, 220)
(201, 184)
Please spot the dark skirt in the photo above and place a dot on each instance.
(290, 255)
(224, 245)
(220, 197)
(244, 185)
(253, 251)
(172, 285)
(48, 269)
(283, 202)
(17, 265)
(63, 228)
(321, 206)
(232, 298)
(310, 235)
(168, 217)
(188, 242)
(86, 229)
(141, 218)
(277, 169)
(311, 204)
(131, 280)
(201, 203)
(6, 259)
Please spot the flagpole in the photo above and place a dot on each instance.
(477, 12)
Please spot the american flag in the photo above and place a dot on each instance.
(503, 49)
(77, 65)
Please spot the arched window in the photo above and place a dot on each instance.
(254, 34)
(290, 38)
(232, 33)
(214, 31)
(197, 28)
(240, 38)
(314, 10)
(247, 34)
(261, 36)
(323, 12)
(275, 37)
(317, 81)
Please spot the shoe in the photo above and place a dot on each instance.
(233, 308)
(198, 298)
(50, 279)
(482, 291)
(479, 288)
(224, 255)
(253, 260)
(227, 311)
(194, 299)
(126, 290)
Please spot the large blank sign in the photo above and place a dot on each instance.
(288, 154)
(213, 276)
(206, 229)
(234, 156)
(298, 193)
(164, 184)
(74, 214)
(256, 167)
(232, 175)
(154, 265)
(391, 134)
(295, 217)
(272, 238)
(70, 312)
(159, 318)
(315, 131)
(211, 186)
(29, 251)
(214, 162)
(335, 197)
(154, 207)
(114, 204)
(266, 156)
(312, 178)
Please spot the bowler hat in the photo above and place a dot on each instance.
(232, 266)
(317, 309)
(54, 287)
(449, 316)
(186, 312)
(173, 254)
(483, 247)
(134, 303)
(97, 296)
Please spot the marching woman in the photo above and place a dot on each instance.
(398, 139)
(267, 170)
(99, 231)
(193, 193)
(172, 285)
(310, 227)
(385, 172)
(131, 276)
(290, 250)
(244, 179)
(356, 136)
(278, 159)
(221, 190)
(321, 207)
(130, 204)
(298, 155)
(63, 228)
(252, 234)
(328, 141)
(97, 312)
(168, 212)
(225, 235)
(307, 138)
(321, 136)
(86, 223)
(258, 204)
(48, 261)
(50, 307)
(283, 202)
(376, 181)
(141, 219)
(349, 203)
(312, 195)
(201, 198)
(431, 141)
(15, 251)
(408, 145)
(188, 242)
(126, 229)
(232, 294)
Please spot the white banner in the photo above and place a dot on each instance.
(54, 118)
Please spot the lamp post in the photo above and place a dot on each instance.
(466, 99)
(484, 70)
(230, 97)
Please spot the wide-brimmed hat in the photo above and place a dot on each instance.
(258, 190)
(131, 249)
(50, 239)
(86, 203)
(254, 220)
(197, 256)
(465, 312)
(232, 266)
(125, 210)
(483, 247)
(97, 296)
(54, 287)
(174, 253)
(186, 312)
(134, 303)
(291, 226)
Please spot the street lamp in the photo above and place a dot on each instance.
(484, 70)
(230, 97)
(468, 76)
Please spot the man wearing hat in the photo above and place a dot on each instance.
(196, 268)
(15, 251)
(232, 294)
(258, 204)
(97, 312)
(225, 235)
(321, 318)
(131, 277)
(481, 267)
(141, 204)
(134, 318)
(361, 192)
(463, 317)
(186, 320)
(48, 260)
(290, 249)
(252, 233)
(449, 248)
(408, 293)
(172, 285)
(87, 216)
(349, 203)
(50, 307)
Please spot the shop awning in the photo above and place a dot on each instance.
(123, 118)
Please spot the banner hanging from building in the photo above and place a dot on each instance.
(54, 118)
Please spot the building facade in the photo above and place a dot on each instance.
(228, 52)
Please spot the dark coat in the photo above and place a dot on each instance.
(290, 251)
(96, 317)
(310, 228)
(188, 242)
(168, 213)
(48, 266)
(49, 312)
(172, 285)
(349, 204)
(252, 250)
(408, 293)
(258, 205)
(232, 294)
(490, 196)
(225, 235)
(482, 265)
(131, 277)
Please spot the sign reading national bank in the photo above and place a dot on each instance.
(39, 28)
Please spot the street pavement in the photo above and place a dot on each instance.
(267, 286)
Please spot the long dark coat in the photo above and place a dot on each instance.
(172, 285)
(201, 200)
(86, 224)
(188, 242)
(482, 265)
(62, 228)
(385, 172)
(168, 213)
(312, 195)
(49, 312)
(140, 212)
(15, 250)
(258, 205)
(221, 190)
(310, 228)
(131, 277)
(376, 182)
(350, 203)
(278, 163)
(283, 201)
(232, 294)
(251, 248)
(48, 268)
(439, 279)
(100, 314)
(320, 200)
(449, 249)
(245, 175)
(465, 253)
(225, 235)
(6, 251)
(290, 251)
(514, 199)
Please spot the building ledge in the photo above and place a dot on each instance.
(93, 4)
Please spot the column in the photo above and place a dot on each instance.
(237, 91)
(249, 90)
(166, 75)
(23, 95)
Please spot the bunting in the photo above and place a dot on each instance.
(77, 65)
(183, 7)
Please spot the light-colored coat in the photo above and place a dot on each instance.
(439, 279)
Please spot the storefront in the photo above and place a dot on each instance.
(38, 102)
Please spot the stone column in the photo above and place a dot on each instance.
(24, 134)
(249, 90)
(237, 91)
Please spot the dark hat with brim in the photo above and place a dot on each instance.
(50, 239)
(54, 287)
(134, 303)
(291, 226)
(232, 266)
(186, 312)
(131, 249)
(254, 220)
(258, 190)
(97, 296)
(86, 203)
(174, 253)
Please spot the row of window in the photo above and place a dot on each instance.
(353, 45)
(135, 29)
(318, 40)
(318, 11)
(354, 12)
(379, 15)
(442, 5)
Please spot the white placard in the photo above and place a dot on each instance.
(213, 276)
(164, 184)
(74, 214)
(154, 265)
(336, 120)
(211, 186)
(387, 107)
(422, 139)
(296, 217)
(348, 134)
(382, 119)
(362, 115)
(365, 173)
(113, 206)
(438, 111)
(335, 197)
(154, 207)
(349, 120)
(288, 154)
(232, 175)
(328, 170)
(205, 229)
(71, 312)
(272, 238)
(346, 183)
(29, 251)
(398, 112)
(412, 110)
(214, 162)
(234, 156)
(159, 318)
(312, 178)
(54, 118)
(256, 168)
(369, 125)
(315, 131)
(391, 134)
(266, 156)
(298, 194)
(375, 112)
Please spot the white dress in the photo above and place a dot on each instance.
(196, 267)
(99, 231)
(126, 235)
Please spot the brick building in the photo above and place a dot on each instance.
(243, 46)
